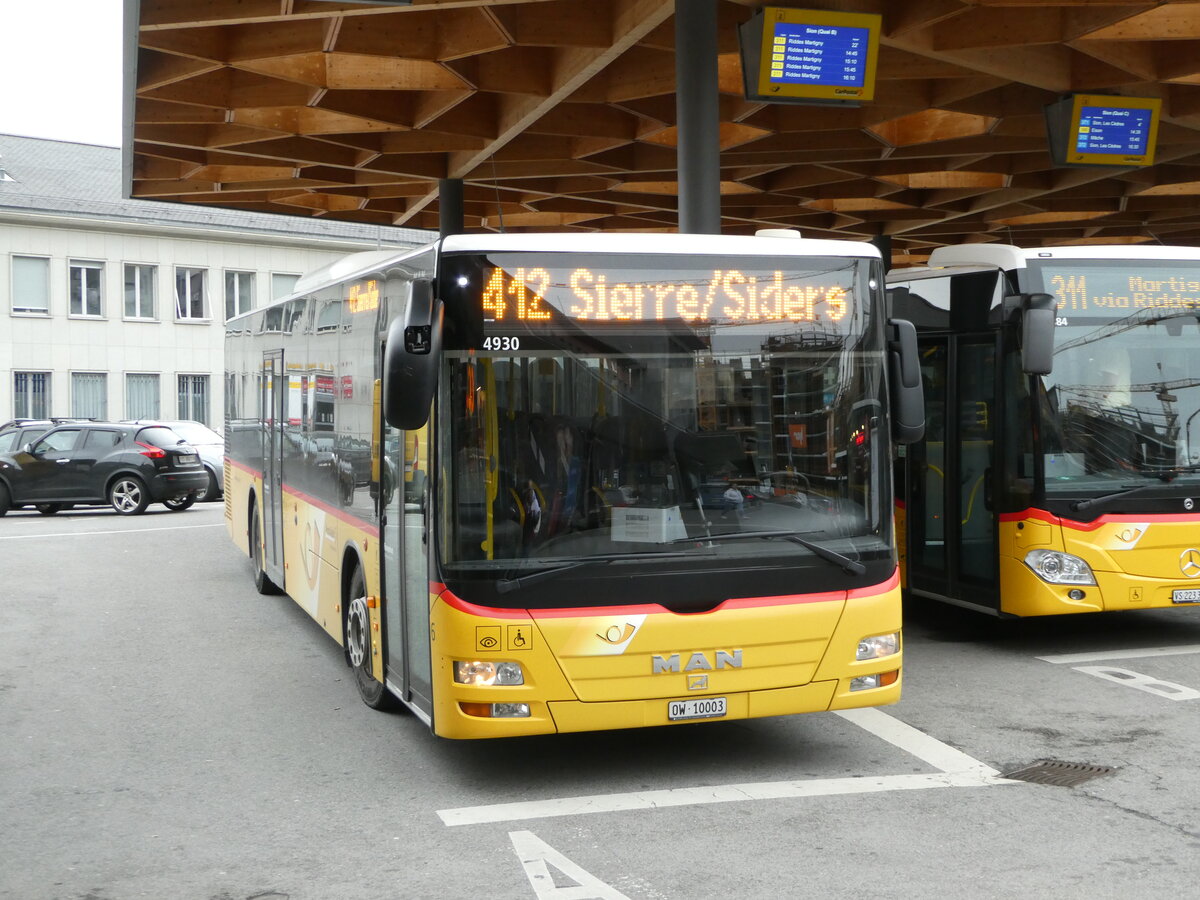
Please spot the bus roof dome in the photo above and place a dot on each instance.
(341, 269)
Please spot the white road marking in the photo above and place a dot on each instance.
(1121, 654)
(956, 770)
(29, 537)
(537, 857)
(1137, 680)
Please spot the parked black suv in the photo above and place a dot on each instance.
(16, 433)
(127, 466)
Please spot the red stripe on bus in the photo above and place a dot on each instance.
(1111, 519)
(340, 514)
(473, 609)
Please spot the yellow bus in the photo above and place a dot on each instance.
(553, 483)
(1067, 483)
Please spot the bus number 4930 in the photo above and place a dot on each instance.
(502, 343)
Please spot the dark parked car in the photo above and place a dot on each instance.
(126, 466)
(209, 444)
(16, 433)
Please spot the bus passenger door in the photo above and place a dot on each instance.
(274, 413)
(405, 508)
(951, 522)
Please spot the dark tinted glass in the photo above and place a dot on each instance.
(102, 439)
(58, 440)
(158, 436)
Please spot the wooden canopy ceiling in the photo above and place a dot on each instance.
(560, 114)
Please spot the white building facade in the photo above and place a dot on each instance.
(114, 308)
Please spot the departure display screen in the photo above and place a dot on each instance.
(1104, 129)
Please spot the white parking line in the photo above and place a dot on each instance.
(956, 770)
(1120, 654)
(30, 537)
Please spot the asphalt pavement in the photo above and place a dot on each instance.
(167, 732)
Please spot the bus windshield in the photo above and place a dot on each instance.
(636, 409)
(1122, 406)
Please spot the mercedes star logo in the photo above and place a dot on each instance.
(1189, 562)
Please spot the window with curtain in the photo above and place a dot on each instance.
(282, 285)
(89, 395)
(193, 398)
(84, 282)
(30, 284)
(31, 395)
(190, 301)
(139, 291)
(141, 396)
(239, 293)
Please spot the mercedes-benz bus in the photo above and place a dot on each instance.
(1060, 467)
(552, 483)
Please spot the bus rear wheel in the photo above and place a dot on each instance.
(262, 581)
(358, 646)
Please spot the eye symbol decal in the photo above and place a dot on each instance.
(488, 643)
(618, 634)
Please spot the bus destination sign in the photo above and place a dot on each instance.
(528, 295)
(1105, 290)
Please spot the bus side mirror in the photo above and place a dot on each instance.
(1037, 334)
(1037, 312)
(410, 360)
(907, 395)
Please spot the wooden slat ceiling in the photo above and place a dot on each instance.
(559, 115)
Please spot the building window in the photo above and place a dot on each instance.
(85, 280)
(89, 395)
(239, 293)
(193, 398)
(31, 284)
(139, 291)
(190, 302)
(31, 395)
(282, 285)
(141, 396)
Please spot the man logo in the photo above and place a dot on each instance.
(1188, 503)
(697, 682)
(1189, 562)
(697, 662)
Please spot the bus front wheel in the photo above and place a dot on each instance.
(262, 582)
(359, 646)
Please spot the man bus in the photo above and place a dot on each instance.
(486, 467)
(1059, 469)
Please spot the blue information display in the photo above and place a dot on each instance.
(1104, 129)
(819, 54)
(809, 56)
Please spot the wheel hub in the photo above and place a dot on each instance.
(357, 629)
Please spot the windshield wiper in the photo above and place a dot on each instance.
(849, 566)
(1089, 502)
(508, 585)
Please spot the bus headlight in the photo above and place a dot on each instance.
(485, 672)
(877, 646)
(1059, 568)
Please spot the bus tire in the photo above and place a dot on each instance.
(357, 632)
(262, 581)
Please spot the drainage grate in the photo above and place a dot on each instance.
(1059, 773)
